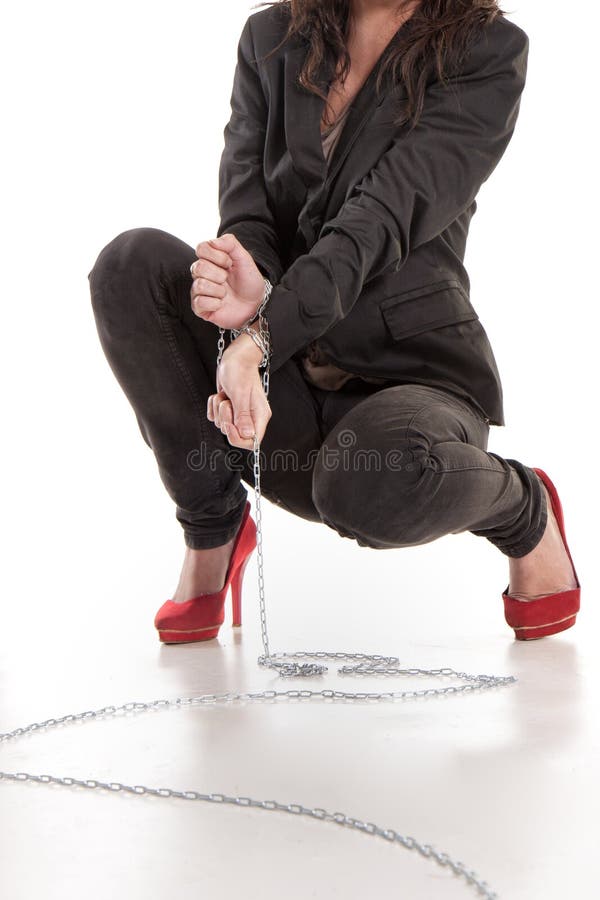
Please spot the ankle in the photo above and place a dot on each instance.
(191, 551)
(204, 571)
(208, 562)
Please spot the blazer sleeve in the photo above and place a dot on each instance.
(243, 203)
(420, 184)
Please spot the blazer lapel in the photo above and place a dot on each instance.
(302, 122)
(302, 119)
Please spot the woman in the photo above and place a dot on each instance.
(359, 136)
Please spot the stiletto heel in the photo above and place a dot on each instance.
(236, 594)
(532, 619)
(200, 618)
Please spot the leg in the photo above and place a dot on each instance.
(422, 471)
(164, 358)
(410, 464)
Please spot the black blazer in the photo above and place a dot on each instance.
(367, 254)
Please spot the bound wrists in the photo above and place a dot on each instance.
(256, 331)
(268, 287)
(249, 346)
(257, 328)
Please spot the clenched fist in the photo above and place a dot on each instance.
(228, 287)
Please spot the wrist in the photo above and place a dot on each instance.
(256, 315)
(255, 347)
(245, 345)
(268, 287)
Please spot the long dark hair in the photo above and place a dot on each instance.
(433, 40)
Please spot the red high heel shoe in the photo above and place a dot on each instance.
(200, 618)
(533, 619)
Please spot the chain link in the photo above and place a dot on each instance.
(286, 665)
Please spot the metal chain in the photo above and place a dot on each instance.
(366, 664)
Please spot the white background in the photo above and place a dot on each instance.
(113, 118)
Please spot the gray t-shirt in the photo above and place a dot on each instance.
(331, 134)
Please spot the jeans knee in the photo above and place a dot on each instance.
(129, 254)
(378, 506)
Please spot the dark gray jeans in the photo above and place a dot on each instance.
(387, 465)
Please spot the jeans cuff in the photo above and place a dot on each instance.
(539, 504)
(201, 533)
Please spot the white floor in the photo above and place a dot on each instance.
(505, 780)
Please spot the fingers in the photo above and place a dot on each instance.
(240, 420)
(261, 416)
(206, 250)
(220, 411)
(209, 272)
(206, 295)
(244, 422)
(215, 406)
(236, 440)
(204, 268)
(251, 412)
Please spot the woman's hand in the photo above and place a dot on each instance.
(228, 287)
(240, 403)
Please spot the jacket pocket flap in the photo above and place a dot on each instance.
(426, 307)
